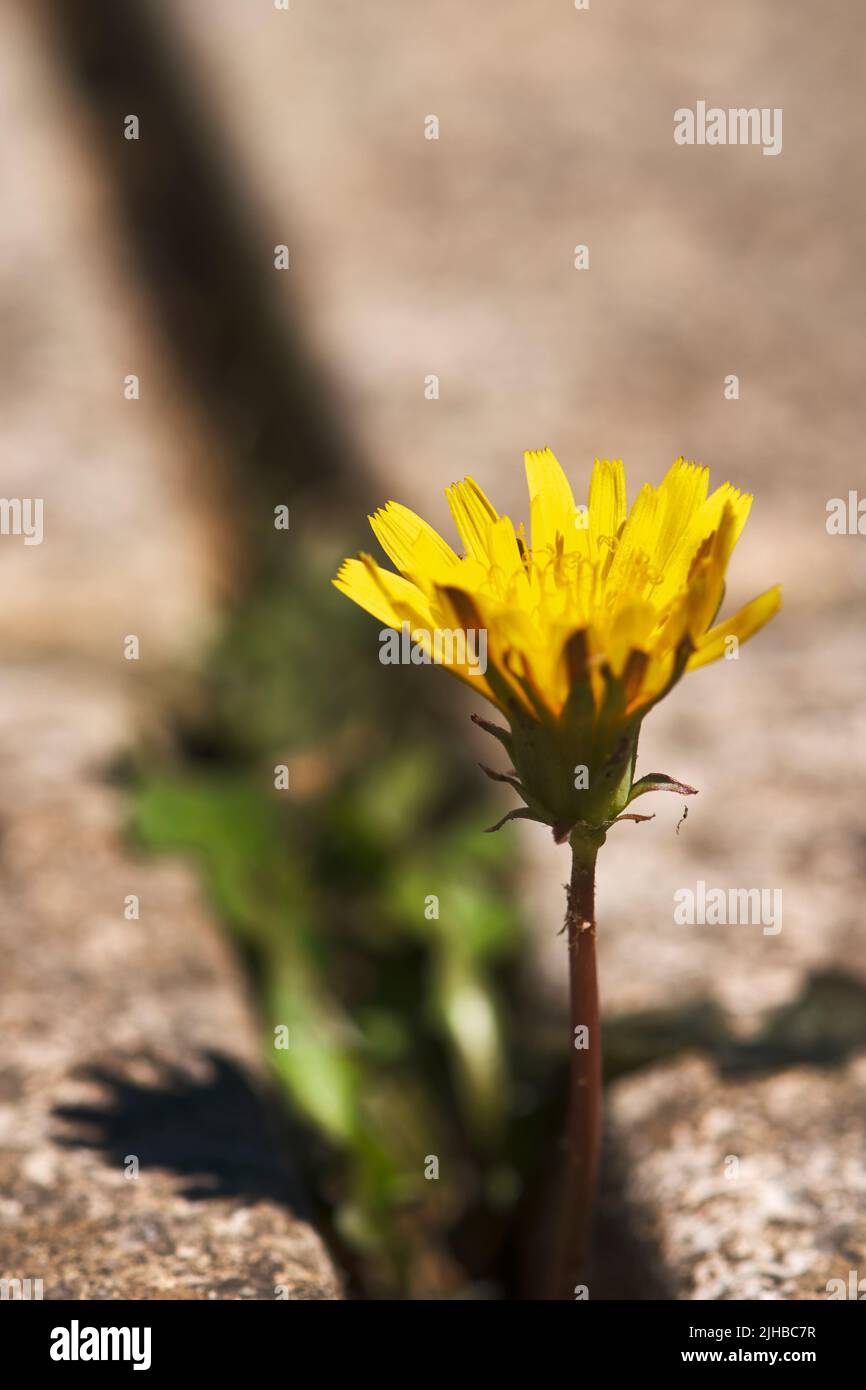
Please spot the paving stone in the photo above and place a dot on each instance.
(124, 1041)
(745, 1190)
(138, 1152)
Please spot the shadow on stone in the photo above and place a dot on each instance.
(626, 1263)
(199, 252)
(218, 1132)
(823, 1027)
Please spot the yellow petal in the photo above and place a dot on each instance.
(552, 510)
(461, 609)
(657, 677)
(507, 571)
(608, 506)
(473, 516)
(629, 631)
(742, 625)
(401, 533)
(682, 492)
(706, 579)
(389, 597)
(628, 575)
(705, 520)
(686, 484)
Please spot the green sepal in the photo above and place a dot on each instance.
(660, 782)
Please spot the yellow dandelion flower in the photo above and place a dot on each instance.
(587, 623)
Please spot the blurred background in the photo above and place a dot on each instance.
(414, 1037)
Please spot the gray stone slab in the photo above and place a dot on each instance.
(138, 1153)
(745, 1190)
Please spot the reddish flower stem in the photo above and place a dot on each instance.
(573, 1214)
